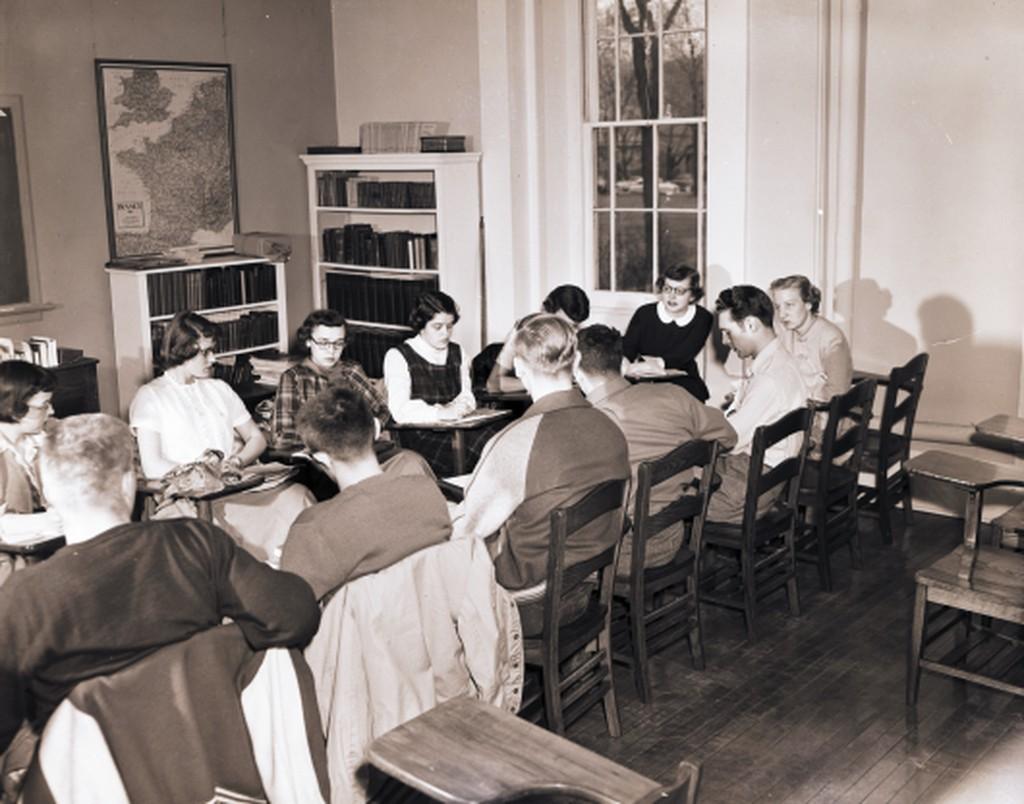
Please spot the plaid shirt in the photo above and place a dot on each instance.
(303, 381)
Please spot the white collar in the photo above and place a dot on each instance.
(665, 318)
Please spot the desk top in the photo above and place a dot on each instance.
(466, 750)
(1010, 428)
(967, 473)
(477, 418)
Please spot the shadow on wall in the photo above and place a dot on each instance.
(722, 365)
(967, 381)
(877, 344)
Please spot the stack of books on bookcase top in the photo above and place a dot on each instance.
(42, 351)
(361, 244)
(392, 137)
(374, 299)
(250, 330)
(210, 288)
(270, 369)
(345, 188)
(367, 345)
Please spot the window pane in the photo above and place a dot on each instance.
(638, 74)
(602, 166)
(606, 79)
(633, 246)
(677, 239)
(638, 16)
(684, 75)
(686, 14)
(634, 166)
(605, 18)
(677, 166)
(603, 233)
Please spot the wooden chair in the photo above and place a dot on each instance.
(763, 547)
(467, 751)
(987, 581)
(568, 689)
(828, 487)
(657, 606)
(889, 445)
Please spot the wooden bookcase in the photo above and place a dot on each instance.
(386, 227)
(245, 295)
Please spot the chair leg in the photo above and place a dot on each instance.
(824, 564)
(611, 707)
(749, 592)
(908, 501)
(884, 507)
(856, 547)
(552, 682)
(916, 643)
(696, 635)
(793, 593)
(638, 638)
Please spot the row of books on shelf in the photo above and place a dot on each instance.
(38, 349)
(208, 288)
(367, 298)
(361, 244)
(345, 188)
(247, 331)
(368, 345)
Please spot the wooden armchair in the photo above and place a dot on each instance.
(828, 487)
(657, 606)
(889, 445)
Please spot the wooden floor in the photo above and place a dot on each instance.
(813, 711)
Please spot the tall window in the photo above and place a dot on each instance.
(647, 124)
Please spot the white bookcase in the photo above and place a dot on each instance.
(415, 218)
(245, 295)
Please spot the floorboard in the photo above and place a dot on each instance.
(813, 711)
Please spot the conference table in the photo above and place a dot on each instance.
(1002, 427)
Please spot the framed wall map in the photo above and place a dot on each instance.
(168, 155)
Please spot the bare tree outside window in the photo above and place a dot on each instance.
(648, 132)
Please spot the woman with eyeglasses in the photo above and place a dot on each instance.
(185, 411)
(26, 391)
(323, 337)
(670, 332)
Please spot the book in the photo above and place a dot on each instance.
(451, 143)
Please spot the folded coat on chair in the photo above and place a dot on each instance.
(396, 643)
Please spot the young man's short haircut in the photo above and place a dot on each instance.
(600, 349)
(746, 300)
(84, 459)
(571, 300)
(337, 421)
(547, 343)
(181, 340)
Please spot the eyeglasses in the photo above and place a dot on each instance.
(668, 290)
(207, 352)
(323, 344)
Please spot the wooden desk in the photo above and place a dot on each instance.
(468, 751)
(38, 550)
(662, 376)
(480, 417)
(1003, 427)
(974, 477)
(204, 502)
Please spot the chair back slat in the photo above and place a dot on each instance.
(762, 479)
(690, 506)
(902, 394)
(852, 410)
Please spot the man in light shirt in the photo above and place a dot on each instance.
(772, 388)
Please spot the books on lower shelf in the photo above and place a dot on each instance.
(347, 188)
(208, 288)
(367, 345)
(379, 299)
(250, 330)
(361, 244)
(270, 369)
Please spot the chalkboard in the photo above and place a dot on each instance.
(17, 254)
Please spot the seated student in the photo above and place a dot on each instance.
(560, 449)
(184, 412)
(655, 418)
(673, 329)
(322, 335)
(379, 517)
(819, 346)
(123, 589)
(26, 391)
(773, 388)
(568, 301)
(428, 380)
